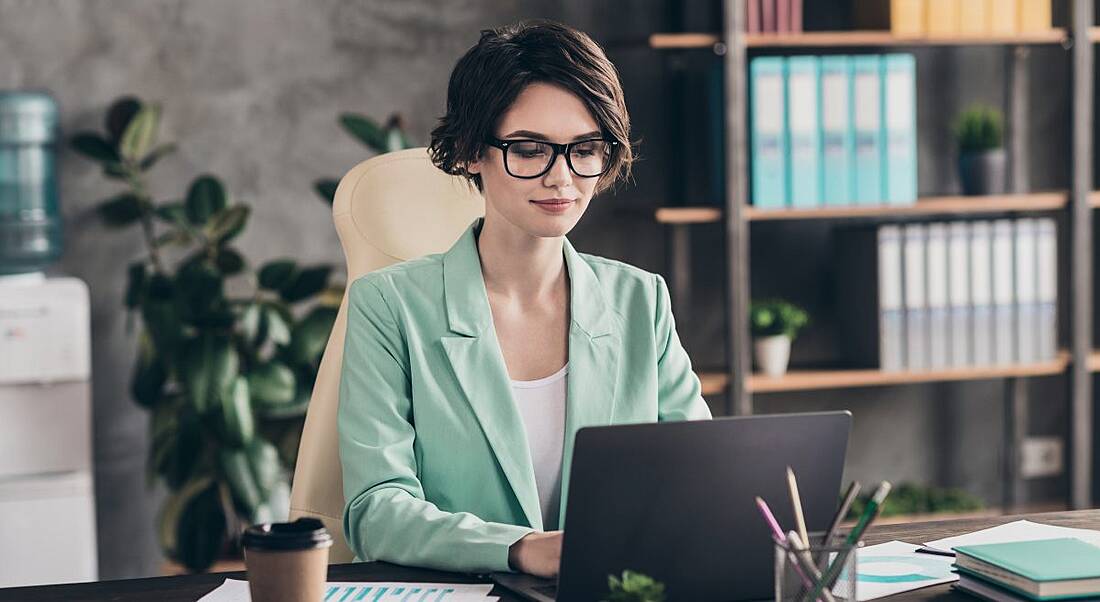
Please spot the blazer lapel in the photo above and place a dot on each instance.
(475, 358)
(594, 336)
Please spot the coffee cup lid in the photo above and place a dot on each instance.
(302, 534)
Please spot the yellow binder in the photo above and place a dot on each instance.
(1003, 17)
(943, 17)
(1034, 15)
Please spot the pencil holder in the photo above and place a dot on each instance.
(828, 570)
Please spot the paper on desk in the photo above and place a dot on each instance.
(1021, 530)
(895, 567)
(235, 590)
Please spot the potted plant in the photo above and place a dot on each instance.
(227, 352)
(979, 133)
(379, 138)
(775, 323)
(634, 587)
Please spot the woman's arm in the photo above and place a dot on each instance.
(386, 516)
(679, 394)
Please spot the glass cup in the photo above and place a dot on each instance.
(798, 572)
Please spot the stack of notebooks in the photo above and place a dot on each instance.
(937, 296)
(953, 17)
(833, 131)
(1047, 569)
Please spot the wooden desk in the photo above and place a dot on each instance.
(189, 588)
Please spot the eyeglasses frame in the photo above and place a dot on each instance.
(559, 149)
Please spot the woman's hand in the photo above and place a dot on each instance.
(538, 554)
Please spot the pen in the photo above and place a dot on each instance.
(842, 511)
(874, 507)
(801, 554)
(934, 551)
(796, 503)
(778, 536)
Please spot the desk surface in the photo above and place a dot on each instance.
(192, 587)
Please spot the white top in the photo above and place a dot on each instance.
(541, 404)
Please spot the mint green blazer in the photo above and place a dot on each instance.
(436, 466)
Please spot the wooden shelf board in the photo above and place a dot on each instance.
(688, 215)
(1042, 201)
(1094, 34)
(858, 38)
(1094, 199)
(713, 383)
(807, 380)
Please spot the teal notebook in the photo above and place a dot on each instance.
(1045, 569)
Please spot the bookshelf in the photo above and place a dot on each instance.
(1074, 206)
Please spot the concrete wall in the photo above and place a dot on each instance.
(251, 90)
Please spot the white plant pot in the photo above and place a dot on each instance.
(773, 354)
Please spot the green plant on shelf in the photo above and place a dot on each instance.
(226, 376)
(634, 587)
(771, 317)
(381, 139)
(979, 128)
(910, 498)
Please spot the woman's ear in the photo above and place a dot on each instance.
(473, 167)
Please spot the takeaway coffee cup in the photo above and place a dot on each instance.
(287, 562)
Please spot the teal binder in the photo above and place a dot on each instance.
(803, 132)
(899, 110)
(867, 122)
(768, 117)
(837, 135)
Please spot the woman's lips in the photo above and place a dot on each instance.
(553, 205)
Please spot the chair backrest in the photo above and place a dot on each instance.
(391, 208)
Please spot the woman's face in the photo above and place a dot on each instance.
(551, 204)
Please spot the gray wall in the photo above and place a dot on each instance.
(251, 90)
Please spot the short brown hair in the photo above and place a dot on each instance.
(488, 78)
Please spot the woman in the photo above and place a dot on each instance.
(466, 374)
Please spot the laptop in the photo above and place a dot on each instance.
(675, 500)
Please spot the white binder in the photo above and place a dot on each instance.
(938, 343)
(981, 292)
(1047, 277)
(1026, 285)
(958, 293)
(1004, 301)
(891, 320)
(915, 239)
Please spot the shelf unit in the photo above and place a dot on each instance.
(737, 217)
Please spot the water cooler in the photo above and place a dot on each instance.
(47, 503)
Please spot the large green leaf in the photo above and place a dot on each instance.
(121, 210)
(309, 336)
(136, 278)
(160, 314)
(173, 213)
(140, 134)
(150, 374)
(172, 511)
(253, 474)
(252, 324)
(366, 130)
(295, 408)
(201, 531)
(307, 283)
(272, 383)
(200, 289)
(229, 261)
(119, 115)
(156, 155)
(176, 441)
(237, 421)
(278, 274)
(205, 197)
(326, 189)
(278, 324)
(227, 223)
(208, 367)
(93, 146)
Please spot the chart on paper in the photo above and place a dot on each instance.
(235, 590)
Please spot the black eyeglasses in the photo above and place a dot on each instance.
(529, 159)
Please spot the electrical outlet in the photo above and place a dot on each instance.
(1041, 457)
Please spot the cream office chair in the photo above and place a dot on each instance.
(391, 208)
